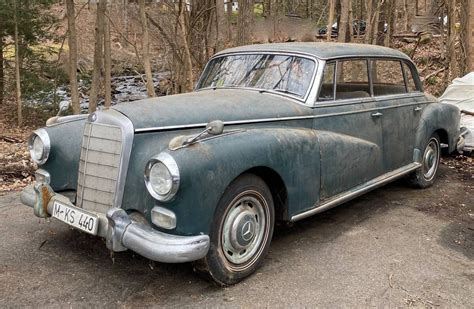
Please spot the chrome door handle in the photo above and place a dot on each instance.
(417, 109)
(377, 114)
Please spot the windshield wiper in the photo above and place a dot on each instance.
(287, 91)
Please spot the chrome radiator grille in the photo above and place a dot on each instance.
(99, 166)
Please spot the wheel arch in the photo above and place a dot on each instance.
(277, 187)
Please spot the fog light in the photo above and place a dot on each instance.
(163, 217)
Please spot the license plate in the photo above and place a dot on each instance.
(76, 217)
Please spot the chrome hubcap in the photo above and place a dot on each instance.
(244, 228)
(430, 159)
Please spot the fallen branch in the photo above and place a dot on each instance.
(433, 74)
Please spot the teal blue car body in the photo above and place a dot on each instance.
(310, 153)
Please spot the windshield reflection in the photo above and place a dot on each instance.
(281, 73)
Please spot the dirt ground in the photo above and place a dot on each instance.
(395, 246)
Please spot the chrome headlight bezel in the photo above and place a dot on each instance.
(169, 162)
(44, 137)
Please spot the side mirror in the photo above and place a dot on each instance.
(215, 127)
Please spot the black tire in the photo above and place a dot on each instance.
(426, 175)
(243, 220)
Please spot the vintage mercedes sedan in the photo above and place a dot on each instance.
(272, 132)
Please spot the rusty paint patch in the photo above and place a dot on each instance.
(46, 196)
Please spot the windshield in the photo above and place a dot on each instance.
(281, 73)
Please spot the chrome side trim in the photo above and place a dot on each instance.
(263, 120)
(357, 191)
(113, 117)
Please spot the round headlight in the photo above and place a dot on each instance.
(39, 146)
(162, 177)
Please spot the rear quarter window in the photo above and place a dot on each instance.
(387, 77)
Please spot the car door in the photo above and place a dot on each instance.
(348, 128)
(399, 112)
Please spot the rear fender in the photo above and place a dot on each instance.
(438, 116)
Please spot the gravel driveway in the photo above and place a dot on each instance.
(395, 246)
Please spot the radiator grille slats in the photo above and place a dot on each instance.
(99, 166)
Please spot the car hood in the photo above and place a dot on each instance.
(208, 105)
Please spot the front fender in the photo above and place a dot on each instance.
(208, 167)
(438, 116)
(63, 161)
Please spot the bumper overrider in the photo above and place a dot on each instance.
(122, 232)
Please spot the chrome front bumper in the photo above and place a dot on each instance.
(122, 232)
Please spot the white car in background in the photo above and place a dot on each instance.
(461, 94)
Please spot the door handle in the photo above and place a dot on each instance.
(377, 114)
(417, 109)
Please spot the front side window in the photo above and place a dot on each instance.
(280, 73)
(387, 77)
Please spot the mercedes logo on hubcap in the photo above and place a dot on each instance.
(247, 230)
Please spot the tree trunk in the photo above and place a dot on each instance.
(390, 8)
(72, 42)
(244, 22)
(369, 23)
(98, 55)
(107, 65)
(229, 20)
(344, 22)
(188, 82)
(150, 88)
(220, 18)
(375, 24)
(2, 72)
(125, 22)
(17, 66)
(332, 5)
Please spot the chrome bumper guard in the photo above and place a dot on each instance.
(122, 233)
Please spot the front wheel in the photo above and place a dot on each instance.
(425, 176)
(242, 231)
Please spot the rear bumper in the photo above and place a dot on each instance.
(122, 232)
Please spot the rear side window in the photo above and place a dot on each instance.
(411, 85)
(352, 80)
(387, 77)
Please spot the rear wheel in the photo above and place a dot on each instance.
(425, 176)
(242, 231)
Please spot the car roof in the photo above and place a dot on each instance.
(321, 50)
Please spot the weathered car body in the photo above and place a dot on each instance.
(310, 152)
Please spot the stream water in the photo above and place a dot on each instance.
(124, 89)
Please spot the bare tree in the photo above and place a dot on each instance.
(17, 65)
(107, 65)
(229, 19)
(98, 55)
(390, 7)
(244, 21)
(183, 22)
(150, 88)
(220, 23)
(2, 72)
(332, 7)
(72, 41)
(369, 23)
(344, 22)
